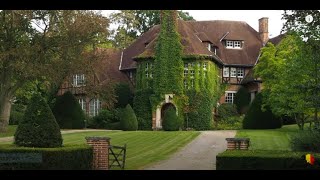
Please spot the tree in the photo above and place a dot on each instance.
(132, 23)
(128, 120)
(38, 128)
(44, 44)
(242, 100)
(124, 95)
(288, 75)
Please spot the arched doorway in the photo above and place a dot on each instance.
(164, 108)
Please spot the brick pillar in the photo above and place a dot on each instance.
(100, 152)
(231, 144)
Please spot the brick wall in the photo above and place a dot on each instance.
(100, 152)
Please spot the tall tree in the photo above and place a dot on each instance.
(287, 71)
(309, 30)
(43, 43)
(132, 23)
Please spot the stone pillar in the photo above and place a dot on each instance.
(100, 147)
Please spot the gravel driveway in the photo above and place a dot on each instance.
(199, 154)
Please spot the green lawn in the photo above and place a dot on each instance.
(10, 132)
(143, 147)
(271, 139)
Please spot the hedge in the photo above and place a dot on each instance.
(242, 100)
(124, 95)
(200, 110)
(142, 108)
(77, 157)
(171, 121)
(264, 160)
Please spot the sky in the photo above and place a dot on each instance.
(249, 16)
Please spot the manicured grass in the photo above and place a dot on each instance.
(10, 132)
(271, 139)
(143, 147)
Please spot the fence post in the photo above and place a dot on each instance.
(100, 147)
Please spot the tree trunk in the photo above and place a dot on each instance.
(5, 108)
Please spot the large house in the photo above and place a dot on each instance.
(231, 46)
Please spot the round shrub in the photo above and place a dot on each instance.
(38, 128)
(242, 100)
(123, 94)
(128, 120)
(106, 119)
(170, 120)
(68, 112)
(258, 119)
(199, 115)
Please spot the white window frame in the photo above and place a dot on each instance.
(233, 72)
(237, 44)
(192, 73)
(205, 66)
(230, 99)
(78, 80)
(209, 47)
(240, 72)
(94, 107)
(226, 72)
(185, 72)
(82, 103)
(229, 44)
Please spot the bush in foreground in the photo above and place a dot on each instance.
(38, 127)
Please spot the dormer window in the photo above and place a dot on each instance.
(233, 44)
(212, 48)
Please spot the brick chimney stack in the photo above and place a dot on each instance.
(263, 30)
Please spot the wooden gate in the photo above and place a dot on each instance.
(117, 156)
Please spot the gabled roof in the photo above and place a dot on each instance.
(276, 40)
(193, 34)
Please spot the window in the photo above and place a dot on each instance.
(229, 44)
(185, 84)
(147, 74)
(185, 73)
(225, 71)
(130, 75)
(95, 105)
(192, 73)
(78, 80)
(147, 66)
(229, 96)
(233, 44)
(233, 72)
(240, 72)
(205, 65)
(236, 44)
(82, 103)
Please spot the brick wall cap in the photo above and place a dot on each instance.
(97, 138)
(238, 139)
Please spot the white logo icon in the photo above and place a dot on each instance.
(309, 19)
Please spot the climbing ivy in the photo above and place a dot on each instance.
(168, 77)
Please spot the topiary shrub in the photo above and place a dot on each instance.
(38, 128)
(128, 120)
(123, 94)
(170, 121)
(106, 119)
(199, 116)
(242, 100)
(142, 108)
(68, 112)
(306, 141)
(256, 118)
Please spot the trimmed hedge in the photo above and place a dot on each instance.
(242, 100)
(263, 160)
(307, 140)
(226, 110)
(38, 128)
(128, 120)
(68, 112)
(170, 121)
(143, 109)
(258, 119)
(200, 113)
(105, 119)
(62, 158)
(124, 95)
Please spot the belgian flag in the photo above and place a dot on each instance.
(310, 159)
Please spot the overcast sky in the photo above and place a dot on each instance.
(249, 16)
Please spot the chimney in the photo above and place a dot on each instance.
(263, 30)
